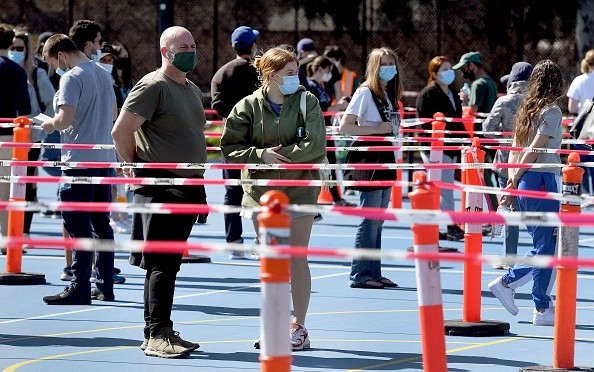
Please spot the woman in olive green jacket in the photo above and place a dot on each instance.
(268, 127)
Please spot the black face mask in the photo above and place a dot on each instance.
(467, 74)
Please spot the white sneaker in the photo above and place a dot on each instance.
(236, 255)
(124, 225)
(504, 295)
(546, 318)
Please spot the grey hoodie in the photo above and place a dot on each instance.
(503, 115)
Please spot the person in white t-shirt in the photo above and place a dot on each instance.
(363, 117)
(581, 89)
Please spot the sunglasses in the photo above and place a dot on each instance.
(18, 48)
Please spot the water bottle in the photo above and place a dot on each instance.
(465, 89)
(499, 229)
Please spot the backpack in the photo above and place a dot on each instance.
(583, 125)
(42, 106)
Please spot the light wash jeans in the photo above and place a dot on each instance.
(369, 235)
(511, 233)
(544, 239)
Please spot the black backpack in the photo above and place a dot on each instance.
(42, 106)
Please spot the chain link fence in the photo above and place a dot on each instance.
(504, 31)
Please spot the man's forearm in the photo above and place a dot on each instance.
(126, 149)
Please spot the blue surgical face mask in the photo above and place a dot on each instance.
(447, 76)
(290, 84)
(387, 73)
(106, 66)
(16, 57)
(97, 56)
(59, 70)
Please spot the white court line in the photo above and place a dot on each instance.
(125, 304)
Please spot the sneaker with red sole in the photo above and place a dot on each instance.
(299, 337)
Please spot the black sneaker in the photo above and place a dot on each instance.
(98, 295)
(69, 296)
(455, 233)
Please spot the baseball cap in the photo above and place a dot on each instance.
(520, 71)
(468, 57)
(243, 36)
(107, 49)
(305, 45)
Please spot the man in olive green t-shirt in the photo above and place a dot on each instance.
(163, 120)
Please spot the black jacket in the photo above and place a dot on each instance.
(432, 99)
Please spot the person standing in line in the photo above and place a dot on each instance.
(41, 95)
(580, 92)
(344, 82)
(367, 115)
(501, 119)
(86, 35)
(232, 82)
(438, 96)
(14, 101)
(268, 127)
(318, 74)
(85, 109)
(163, 121)
(482, 97)
(306, 52)
(537, 125)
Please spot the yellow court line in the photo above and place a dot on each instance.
(14, 367)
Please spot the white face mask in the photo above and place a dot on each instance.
(106, 66)
(326, 76)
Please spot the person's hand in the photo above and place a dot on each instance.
(48, 126)
(507, 199)
(270, 156)
(384, 127)
(463, 96)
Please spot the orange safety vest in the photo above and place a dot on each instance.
(347, 81)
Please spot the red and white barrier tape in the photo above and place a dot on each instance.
(422, 217)
(266, 250)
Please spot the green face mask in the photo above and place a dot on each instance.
(185, 61)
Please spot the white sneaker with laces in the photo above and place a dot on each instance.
(299, 337)
(546, 318)
(505, 295)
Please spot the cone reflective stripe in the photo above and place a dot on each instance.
(567, 245)
(275, 229)
(14, 252)
(473, 241)
(426, 239)
(436, 156)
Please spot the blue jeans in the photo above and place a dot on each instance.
(511, 233)
(89, 225)
(369, 235)
(544, 239)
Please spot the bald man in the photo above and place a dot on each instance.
(163, 120)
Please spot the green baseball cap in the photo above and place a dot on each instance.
(468, 57)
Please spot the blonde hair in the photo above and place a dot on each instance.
(372, 80)
(273, 60)
(587, 62)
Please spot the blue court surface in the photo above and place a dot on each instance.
(217, 304)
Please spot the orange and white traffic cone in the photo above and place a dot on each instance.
(275, 229)
(426, 240)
